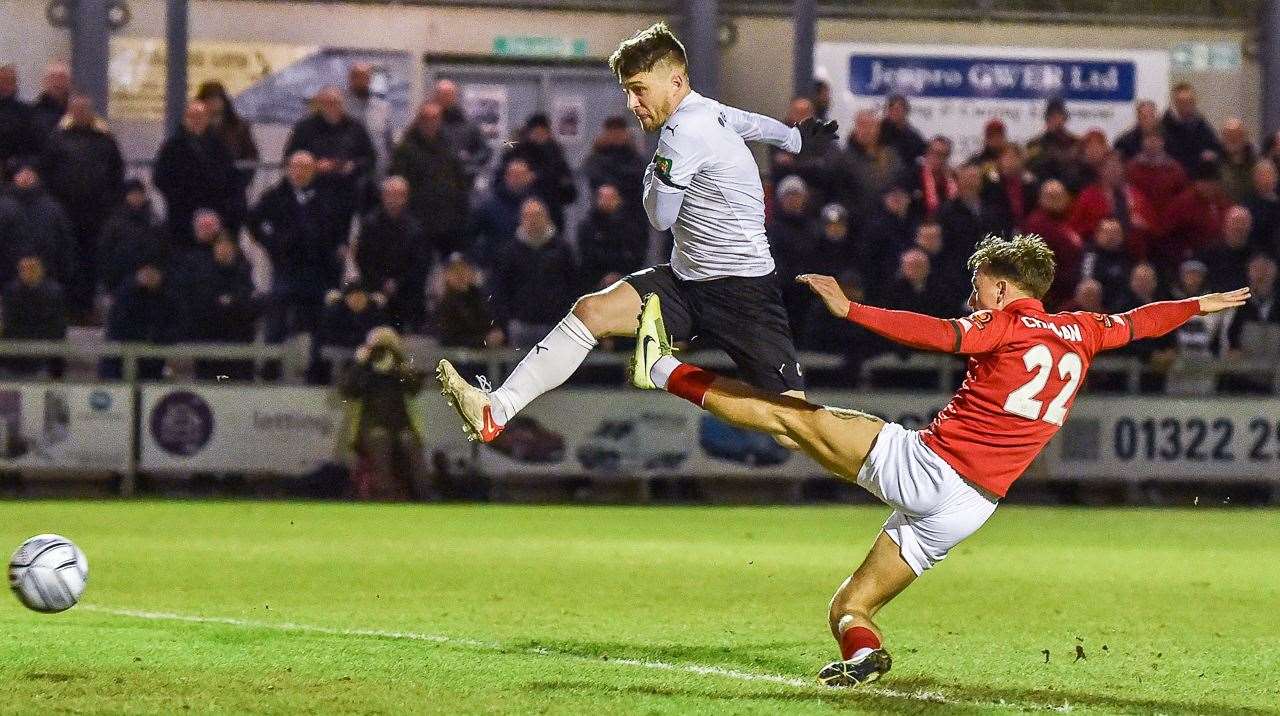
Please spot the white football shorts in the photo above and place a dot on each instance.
(934, 508)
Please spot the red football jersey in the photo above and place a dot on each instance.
(1025, 366)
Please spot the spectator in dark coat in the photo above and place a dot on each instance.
(461, 132)
(51, 105)
(131, 237)
(1010, 193)
(188, 266)
(1237, 160)
(32, 223)
(34, 309)
(1228, 258)
(932, 181)
(297, 226)
(1264, 205)
(1050, 221)
(965, 219)
(1052, 154)
(224, 309)
(611, 242)
(438, 184)
(890, 231)
(1147, 122)
(896, 130)
(912, 289)
(994, 139)
(866, 167)
(17, 122)
(949, 281)
(236, 134)
(349, 315)
(463, 316)
(1260, 309)
(497, 215)
(821, 99)
(195, 170)
(1188, 136)
(83, 169)
(1109, 262)
(146, 309)
(615, 160)
(837, 250)
(393, 255)
(793, 240)
(534, 278)
(1144, 288)
(554, 179)
(344, 155)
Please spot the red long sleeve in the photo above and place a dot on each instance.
(1150, 321)
(910, 329)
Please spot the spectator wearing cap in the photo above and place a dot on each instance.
(611, 242)
(18, 134)
(1157, 175)
(51, 105)
(1238, 158)
(83, 169)
(793, 239)
(131, 237)
(1189, 137)
(145, 309)
(195, 170)
(224, 308)
(994, 139)
(1113, 197)
(890, 231)
(965, 219)
(1147, 121)
(1251, 330)
(553, 179)
(1108, 261)
(1010, 193)
(1198, 336)
(1264, 206)
(32, 223)
(1227, 259)
(393, 255)
(837, 250)
(497, 215)
(1051, 221)
(616, 160)
(1052, 153)
(867, 166)
(345, 158)
(236, 134)
(821, 98)
(372, 111)
(1193, 220)
(33, 309)
(934, 181)
(439, 191)
(349, 314)
(897, 133)
(463, 316)
(461, 132)
(535, 278)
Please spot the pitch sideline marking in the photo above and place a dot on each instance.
(698, 669)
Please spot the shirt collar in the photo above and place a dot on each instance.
(1024, 305)
(688, 101)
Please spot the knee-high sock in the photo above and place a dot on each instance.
(549, 364)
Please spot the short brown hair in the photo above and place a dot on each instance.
(1025, 259)
(646, 49)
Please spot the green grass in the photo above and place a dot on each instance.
(548, 609)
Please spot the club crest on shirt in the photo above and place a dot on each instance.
(978, 320)
(663, 166)
(1106, 320)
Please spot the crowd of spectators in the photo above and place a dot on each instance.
(369, 226)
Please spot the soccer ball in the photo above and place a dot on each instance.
(48, 573)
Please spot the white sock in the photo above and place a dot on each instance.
(549, 364)
(661, 371)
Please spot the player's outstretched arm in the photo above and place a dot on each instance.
(914, 330)
(754, 127)
(1214, 302)
(1156, 319)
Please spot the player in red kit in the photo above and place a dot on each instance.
(943, 482)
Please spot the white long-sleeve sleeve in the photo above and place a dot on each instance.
(661, 200)
(754, 127)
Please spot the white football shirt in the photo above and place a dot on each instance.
(702, 154)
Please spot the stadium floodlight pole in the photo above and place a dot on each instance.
(90, 43)
(805, 15)
(1269, 52)
(702, 42)
(175, 84)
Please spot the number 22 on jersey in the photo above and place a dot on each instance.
(1039, 359)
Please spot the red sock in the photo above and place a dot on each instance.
(855, 638)
(690, 382)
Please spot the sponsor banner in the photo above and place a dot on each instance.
(954, 89)
(65, 426)
(1140, 438)
(284, 430)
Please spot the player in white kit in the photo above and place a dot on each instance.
(704, 185)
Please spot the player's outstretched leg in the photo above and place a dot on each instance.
(880, 577)
(838, 439)
(549, 364)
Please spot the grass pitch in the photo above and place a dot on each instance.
(337, 608)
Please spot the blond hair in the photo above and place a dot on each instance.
(1026, 260)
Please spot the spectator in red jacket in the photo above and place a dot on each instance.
(1193, 220)
(934, 182)
(1113, 197)
(1156, 174)
(1049, 220)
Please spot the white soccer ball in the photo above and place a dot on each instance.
(48, 573)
